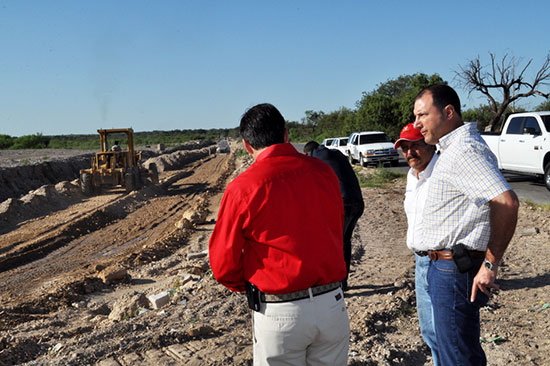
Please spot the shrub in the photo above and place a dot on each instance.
(378, 177)
(37, 141)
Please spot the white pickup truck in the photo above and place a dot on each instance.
(371, 147)
(523, 145)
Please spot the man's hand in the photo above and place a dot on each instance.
(484, 280)
(503, 218)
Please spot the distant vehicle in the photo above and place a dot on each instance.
(339, 143)
(327, 142)
(114, 166)
(371, 147)
(223, 147)
(523, 146)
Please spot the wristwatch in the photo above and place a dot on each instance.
(490, 266)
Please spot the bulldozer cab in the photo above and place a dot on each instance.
(117, 149)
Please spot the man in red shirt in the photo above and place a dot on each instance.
(279, 237)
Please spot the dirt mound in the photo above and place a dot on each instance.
(38, 202)
(17, 181)
(178, 159)
(190, 145)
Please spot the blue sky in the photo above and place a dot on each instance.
(71, 67)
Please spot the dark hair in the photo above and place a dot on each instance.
(262, 126)
(310, 146)
(442, 95)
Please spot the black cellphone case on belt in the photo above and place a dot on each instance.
(462, 259)
(253, 296)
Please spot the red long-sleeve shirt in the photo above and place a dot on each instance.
(280, 225)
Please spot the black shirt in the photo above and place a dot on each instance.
(349, 185)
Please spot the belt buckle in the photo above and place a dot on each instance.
(433, 255)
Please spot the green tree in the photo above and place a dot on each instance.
(378, 112)
(312, 118)
(36, 141)
(484, 115)
(299, 132)
(335, 124)
(6, 141)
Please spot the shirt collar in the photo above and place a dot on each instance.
(429, 168)
(277, 150)
(427, 171)
(448, 139)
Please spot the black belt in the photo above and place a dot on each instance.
(448, 255)
(300, 295)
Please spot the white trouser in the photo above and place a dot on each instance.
(313, 331)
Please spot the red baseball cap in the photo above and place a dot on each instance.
(408, 133)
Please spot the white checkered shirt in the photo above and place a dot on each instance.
(464, 180)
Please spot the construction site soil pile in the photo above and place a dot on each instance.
(124, 279)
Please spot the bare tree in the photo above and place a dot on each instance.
(501, 76)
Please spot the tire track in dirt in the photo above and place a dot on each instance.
(128, 231)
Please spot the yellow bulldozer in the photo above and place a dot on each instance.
(116, 166)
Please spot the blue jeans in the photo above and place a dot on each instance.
(424, 305)
(456, 319)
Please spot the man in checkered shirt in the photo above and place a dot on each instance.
(470, 206)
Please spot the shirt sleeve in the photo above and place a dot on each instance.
(227, 243)
(478, 177)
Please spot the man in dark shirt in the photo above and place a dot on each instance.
(350, 189)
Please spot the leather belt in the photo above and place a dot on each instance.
(448, 255)
(300, 295)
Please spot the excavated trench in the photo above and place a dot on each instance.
(57, 253)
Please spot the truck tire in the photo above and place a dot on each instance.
(154, 173)
(350, 158)
(138, 182)
(86, 184)
(395, 163)
(130, 181)
(547, 176)
(362, 162)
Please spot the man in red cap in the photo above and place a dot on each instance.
(421, 158)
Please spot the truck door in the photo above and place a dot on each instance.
(353, 149)
(508, 145)
(530, 145)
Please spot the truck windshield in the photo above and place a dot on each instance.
(377, 137)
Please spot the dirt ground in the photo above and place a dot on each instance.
(74, 282)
